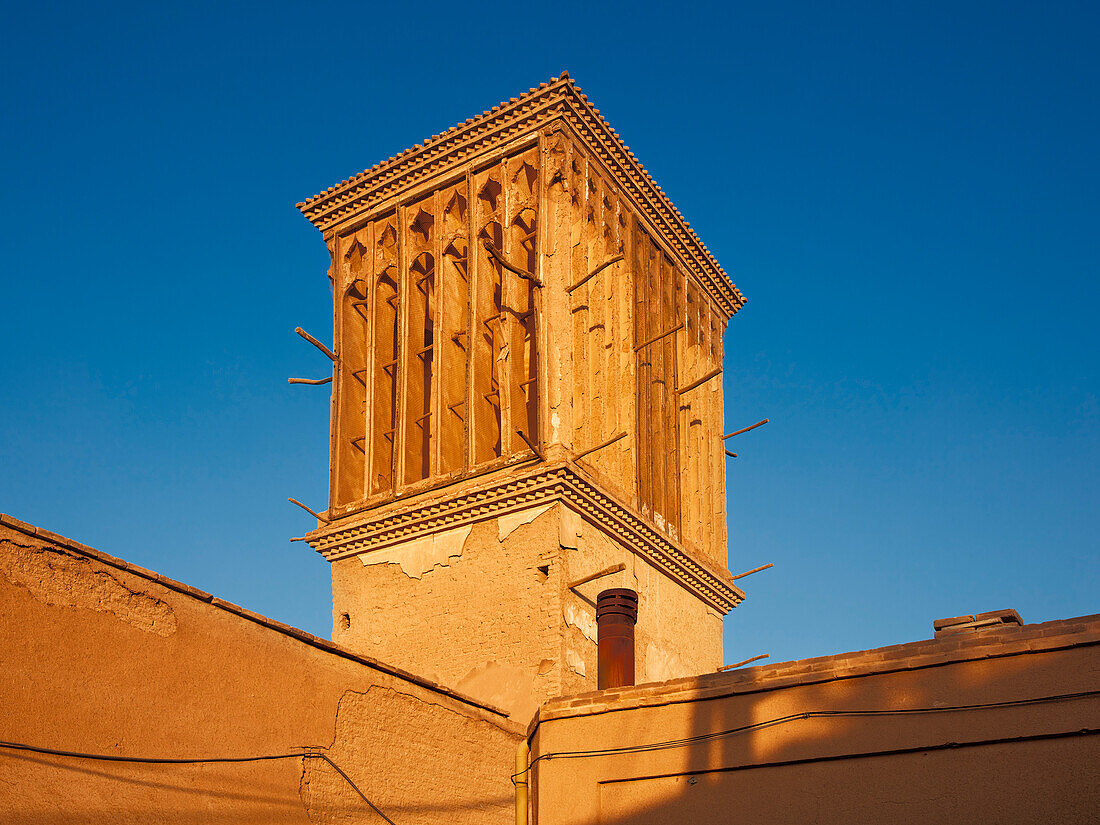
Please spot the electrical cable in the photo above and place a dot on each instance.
(157, 760)
(809, 714)
(652, 746)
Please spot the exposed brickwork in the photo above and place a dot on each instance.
(967, 624)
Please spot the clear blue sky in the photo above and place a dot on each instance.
(908, 194)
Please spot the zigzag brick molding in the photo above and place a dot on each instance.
(557, 101)
(541, 484)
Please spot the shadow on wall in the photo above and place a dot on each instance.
(863, 738)
(89, 791)
(202, 793)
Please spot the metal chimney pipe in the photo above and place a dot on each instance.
(616, 615)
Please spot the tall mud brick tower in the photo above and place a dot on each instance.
(526, 407)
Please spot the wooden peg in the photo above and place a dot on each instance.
(667, 332)
(523, 273)
(712, 374)
(746, 429)
(527, 441)
(313, 513)
(743, 662)
(594, 273)
(754, 570)
(316, 343)
(607, 443)
(607, 571)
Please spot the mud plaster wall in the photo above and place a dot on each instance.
(609, 387)
(1015, 764)
(101, 660)
(676, 635)
(473, 609)
(483, 619)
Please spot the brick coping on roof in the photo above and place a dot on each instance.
(249, 615)
(986, 643)
(319, 208)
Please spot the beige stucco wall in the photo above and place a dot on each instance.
(591, 333)
(1010, 764)
(103, 658)
(484, 619)
(591, 384)
(676, 635)
(473, 608)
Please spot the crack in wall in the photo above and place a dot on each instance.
(58, 578)
(416, 759)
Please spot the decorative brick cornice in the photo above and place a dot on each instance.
(537, 485)
(505, 123)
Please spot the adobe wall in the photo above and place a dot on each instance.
(450, 362)
(486, 608)
(792, 742)
(102, 657)
(676, 635)
(671, 465)
(468, 607)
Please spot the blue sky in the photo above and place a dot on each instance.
(908, 194)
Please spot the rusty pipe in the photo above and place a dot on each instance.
(616, 615)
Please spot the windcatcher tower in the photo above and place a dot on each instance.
(527, 338)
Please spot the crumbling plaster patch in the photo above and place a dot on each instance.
(582, 618)
(506, 525)
(570, 526)
(422, 555)
(66, 580)
(663, 664)
(575, 661)
(555, 425)
(416, 760)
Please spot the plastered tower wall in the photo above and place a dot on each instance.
(677, 634)
(625, 365)
(488, 609)
(524, 328)
(478, 605)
